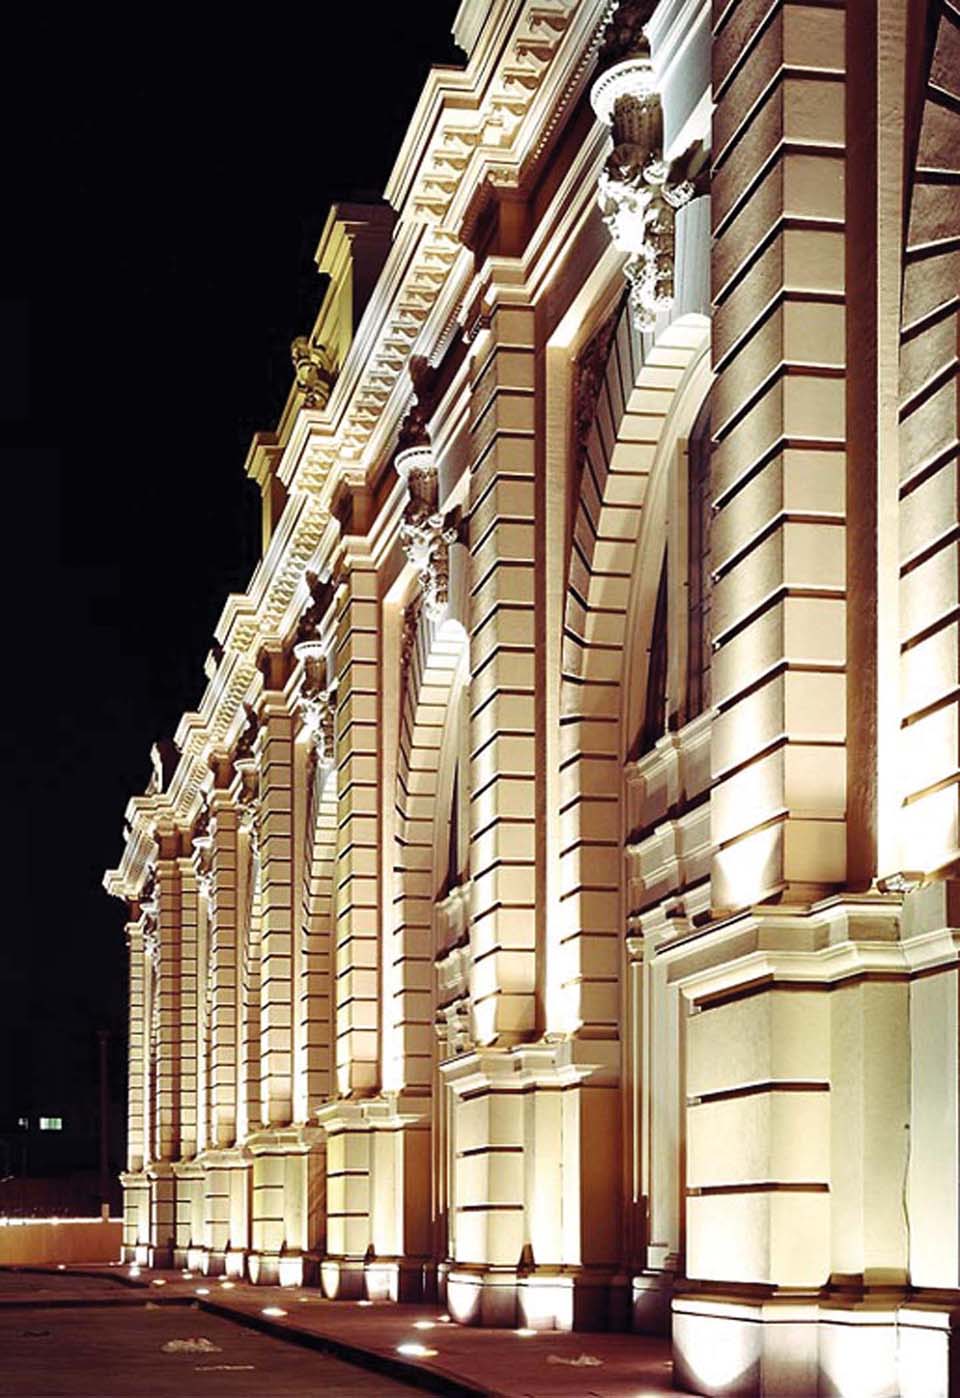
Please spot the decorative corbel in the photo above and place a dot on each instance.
(203, 850)
(318, 700)
(638, 192)
(318, 703)
(314, 375)
(247, 768)
(149, 909)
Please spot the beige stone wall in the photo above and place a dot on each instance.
(44, 1244)
(446, 973)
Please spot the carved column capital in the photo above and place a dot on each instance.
(318, 701)
(426, 533)
(638, 192)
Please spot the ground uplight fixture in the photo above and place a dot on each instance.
(364, 1303)
(412, 1350)
(273, 1311)
(424, 1325)
(227, 1285)
(134, 1271)
(524, 1332)
(203, 1291)
(61, 1266)
(158, 1281)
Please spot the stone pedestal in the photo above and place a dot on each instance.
(188, 1236)
(162, 1214)
(535, 1232)
(136, 1216)
(378, 1199)
(287, 1220)
(226, 1211)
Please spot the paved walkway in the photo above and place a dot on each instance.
(88, 1347)
(449, 1359)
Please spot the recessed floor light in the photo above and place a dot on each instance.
(415, 1351)
(273, 1310)
(203, 1290)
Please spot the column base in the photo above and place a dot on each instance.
(396, 1278)
(342, 1279)
(225, 1210)
(136, 1213)
(650, 1295)
(875, 1346)
(543, 1299)
(235, 1264)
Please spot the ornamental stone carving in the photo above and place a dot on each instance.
(318, 707)
(313, 375)
(426, 533)
(408, 635)
(638, 191)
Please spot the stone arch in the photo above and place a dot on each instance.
(688, 398)
(434, 669)
(635, 396)
(318, 910)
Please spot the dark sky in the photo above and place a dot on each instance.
(164, 192)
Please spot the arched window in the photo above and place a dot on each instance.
(655, 711)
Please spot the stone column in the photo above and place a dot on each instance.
(275, 752)
(778, 467)
(357, 738)
(224, 1022)
(136, 1195)
(188, 1174)
(358, 953)
(224, 820)
(503, 550)
(167, 1011)
(137, 1049)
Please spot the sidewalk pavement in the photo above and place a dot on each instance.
(448, 1358)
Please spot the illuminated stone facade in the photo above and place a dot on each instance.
(552, 904)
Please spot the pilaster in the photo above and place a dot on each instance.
(189, 1067)
(136, 1050)
(357, 655)
(224, 978)
(778, 467)
(502, 538)
(275, 749)
(167, 1107)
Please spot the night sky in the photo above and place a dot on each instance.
(165, 188)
